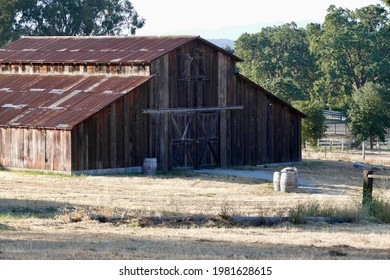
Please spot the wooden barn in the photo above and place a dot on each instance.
(103, 104)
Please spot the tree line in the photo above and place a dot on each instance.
(342, 64)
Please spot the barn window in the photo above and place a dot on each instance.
(192, 66)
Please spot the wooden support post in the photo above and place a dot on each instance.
(222, 101)
(367, 186)
(363, 150)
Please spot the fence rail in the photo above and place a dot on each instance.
(339, 143)
(346, 143)
(374, 176)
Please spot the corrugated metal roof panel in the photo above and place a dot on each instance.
(58, 101)
(131, 49)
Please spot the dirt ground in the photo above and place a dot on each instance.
(48, 216)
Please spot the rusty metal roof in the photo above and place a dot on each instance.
(58, 101)
(131, 49)
(95, 49)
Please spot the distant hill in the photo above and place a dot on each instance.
(222, 43)
(232, 33)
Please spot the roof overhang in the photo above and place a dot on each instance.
(59, 101)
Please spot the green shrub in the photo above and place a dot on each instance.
(377, 210)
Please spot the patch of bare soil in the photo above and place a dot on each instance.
(49, 217)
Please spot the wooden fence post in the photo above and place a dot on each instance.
(367, 186)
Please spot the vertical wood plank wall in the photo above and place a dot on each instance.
(223, 80)
(35, 148)
(159, 97)
(266, 130)
(115, 137)
(174, 87)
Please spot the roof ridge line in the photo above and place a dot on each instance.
(109, 36)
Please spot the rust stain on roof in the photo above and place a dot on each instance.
(131, 49)
(58, 101)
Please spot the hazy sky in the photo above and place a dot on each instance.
(228, 19)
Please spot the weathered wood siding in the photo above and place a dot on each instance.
(159, 98)
(197, 76)
(35, 149)
(226, 92)
(266, 131)
(193, 76)
(115, 137)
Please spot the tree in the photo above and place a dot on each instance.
(229, 49)
(387, 2)
(369, 116)
(313, 126)
(352, 48)
(246, 47)
(279, 59)
(7, 16)
(74, 17)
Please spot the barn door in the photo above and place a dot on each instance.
(195, 139)
(183, 140)
(207, 140)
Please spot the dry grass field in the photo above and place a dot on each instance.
(47, 216)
